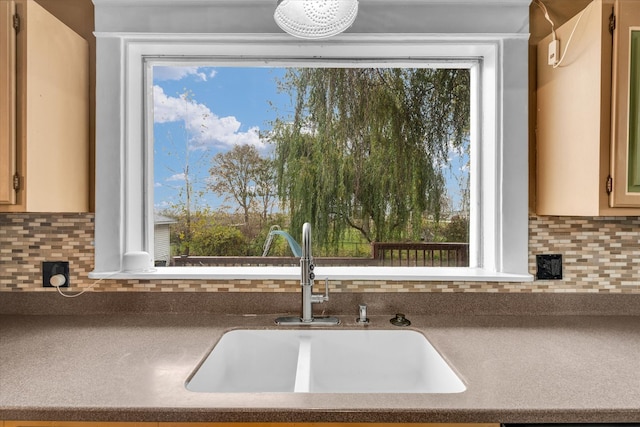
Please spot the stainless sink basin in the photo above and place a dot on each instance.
(324, 361)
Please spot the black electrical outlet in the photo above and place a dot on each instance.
(52, 268)
(549, 267)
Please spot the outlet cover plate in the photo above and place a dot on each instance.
(549, 267)
(51, 268)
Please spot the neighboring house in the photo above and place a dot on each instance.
(162, 244)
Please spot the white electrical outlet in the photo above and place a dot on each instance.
(55, 274)
(554, 49)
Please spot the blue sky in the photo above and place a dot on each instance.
(226, 106)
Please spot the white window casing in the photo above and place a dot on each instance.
(491, 37)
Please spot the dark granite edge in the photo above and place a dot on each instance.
(49, 303)
(308, 415)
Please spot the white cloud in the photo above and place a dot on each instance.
(161, 73)
(203, 126)
(157, 184)
(176, 177)
(162, 205)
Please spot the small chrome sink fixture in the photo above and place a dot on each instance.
(324, 361)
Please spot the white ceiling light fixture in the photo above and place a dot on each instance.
(315, 19)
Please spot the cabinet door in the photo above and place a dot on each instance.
(213, 424)
(51, 133)
(7, 103)
(54, 112)
(76, 424)
(573, 114)
(626, 105)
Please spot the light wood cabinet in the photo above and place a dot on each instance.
(587, 121)
(162, 424)
(75, 424)
(626, 106)
(212, 424)
(44, 110)
(7, 104)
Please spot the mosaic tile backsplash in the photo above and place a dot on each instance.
(599, 255)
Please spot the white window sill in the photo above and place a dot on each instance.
(422, 274)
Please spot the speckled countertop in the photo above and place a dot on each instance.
(131, 365)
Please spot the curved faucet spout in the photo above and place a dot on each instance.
(306, 240)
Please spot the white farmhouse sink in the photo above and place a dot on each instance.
(324, 361)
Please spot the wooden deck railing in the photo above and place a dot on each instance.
(384, 254)
(422, 254)
(256, 261)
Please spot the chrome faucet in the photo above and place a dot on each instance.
(307, 276)
(362, 318)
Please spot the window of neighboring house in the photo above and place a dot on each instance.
(125, 133)
(375, 158)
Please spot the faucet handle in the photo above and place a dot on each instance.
(318, 298)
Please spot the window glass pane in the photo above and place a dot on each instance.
(376, 159)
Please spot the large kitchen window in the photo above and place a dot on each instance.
(375, 158)
(127, 214)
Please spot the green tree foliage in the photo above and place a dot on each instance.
(265, 188)
(243, 176)
(202, 233)
(218, 240)
(366, 147)
(457, 229)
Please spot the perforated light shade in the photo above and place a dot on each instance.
(315, 19)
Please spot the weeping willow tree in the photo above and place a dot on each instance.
(365, 148)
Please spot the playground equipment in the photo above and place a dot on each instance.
(276, 231)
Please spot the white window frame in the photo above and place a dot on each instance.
(499, 120)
